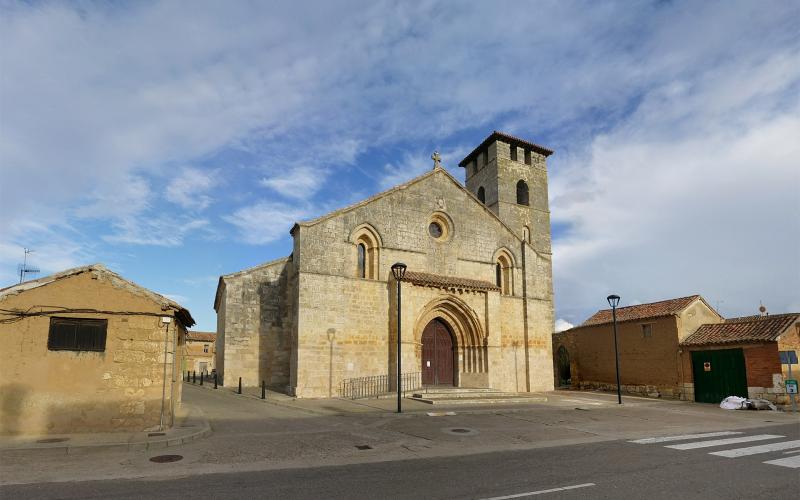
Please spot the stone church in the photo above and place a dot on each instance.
(477, 297)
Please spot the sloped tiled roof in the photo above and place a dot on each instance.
(743, 330)
(642, 311)
(201, 336)
(426, 279)
(115, 279)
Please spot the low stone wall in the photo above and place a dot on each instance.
(649, 391)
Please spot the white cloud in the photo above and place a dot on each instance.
(265, 221)
(300, 183)
(190, 186)
(158, 231)
(696, 192)
(562, 325)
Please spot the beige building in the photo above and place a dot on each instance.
(680, 349)
(201, 352)
(477, 301)
(87, 351)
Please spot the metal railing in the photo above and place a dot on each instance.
(378, 385)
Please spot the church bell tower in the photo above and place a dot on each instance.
(509, 175)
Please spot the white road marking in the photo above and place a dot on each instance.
(793, 451)
(585, 402)
(684, 437)
(754, 450)
(542, 492)
(791, 462)
(722, 442)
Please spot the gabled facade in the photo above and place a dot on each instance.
(478, 286)
(88, 351)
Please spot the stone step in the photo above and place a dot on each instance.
(457, 395)
(493, 399)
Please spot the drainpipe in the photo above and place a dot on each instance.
(166, 320)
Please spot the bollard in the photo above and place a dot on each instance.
(194, 377)
(215, 380)
(240, 385)
(263, 390)
(188, 376)
(202, 376)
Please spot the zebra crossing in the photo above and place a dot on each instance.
(700, 441)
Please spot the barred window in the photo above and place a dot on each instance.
(77, 334)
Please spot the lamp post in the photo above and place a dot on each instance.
(613, 301)
(398, 271)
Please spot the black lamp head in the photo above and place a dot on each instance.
(613, 300)
(398, 270)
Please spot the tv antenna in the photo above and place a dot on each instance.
(24, 269)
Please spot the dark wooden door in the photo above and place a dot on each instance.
(718, 374)
(437, 354)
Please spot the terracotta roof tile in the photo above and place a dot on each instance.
(201, 336)
(743, 330)
(426, 279)
(642, 311)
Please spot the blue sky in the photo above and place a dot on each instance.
(177, 142)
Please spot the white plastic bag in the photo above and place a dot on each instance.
(734, 403)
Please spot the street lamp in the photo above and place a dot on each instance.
(613, 301)
(398, 271)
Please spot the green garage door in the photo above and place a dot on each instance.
(718, 374)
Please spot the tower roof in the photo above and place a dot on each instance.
(505, 138)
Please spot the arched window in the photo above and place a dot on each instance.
(367, 250)
(504, 274)
(526, 234)
(362, 260)
(482, 195)
(522, 193)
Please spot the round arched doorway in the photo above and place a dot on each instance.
(438, 354)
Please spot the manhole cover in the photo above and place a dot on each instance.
(364, 447)
(164, 459)
(53, 440)
(460, 431)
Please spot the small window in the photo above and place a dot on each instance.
(362, 260)
(485, 158)
(77, 334)
(498, 275)
(435, 230)
(205, 348)
(527, 157)
(513, 152)
(647, 331)
(482, 195)
(522, 193)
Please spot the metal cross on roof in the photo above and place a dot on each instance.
(436, 159)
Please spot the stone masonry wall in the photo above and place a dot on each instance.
(119, 389)
(325, 248)
(254, 328)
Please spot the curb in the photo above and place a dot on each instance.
(152, 444)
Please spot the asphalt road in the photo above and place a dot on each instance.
(616, 469)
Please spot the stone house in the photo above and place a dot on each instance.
(200, 353)
(477, 300)
(741, 357)
(648, 338)
(680, 349)
(85, 350)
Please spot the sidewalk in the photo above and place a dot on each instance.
(190, 424)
